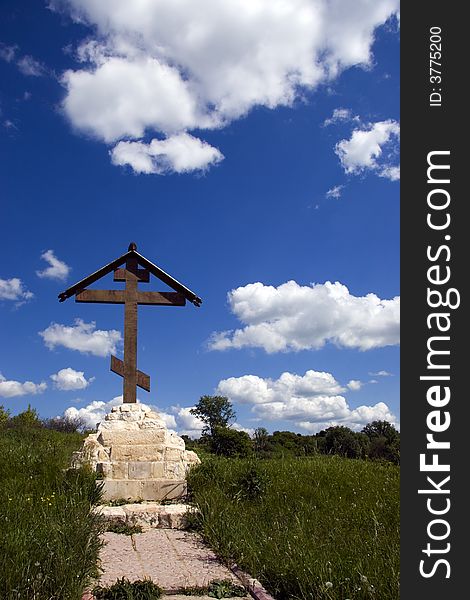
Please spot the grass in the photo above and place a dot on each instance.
(123, 589)
(49, 540)
(320, 528)
(218, 588)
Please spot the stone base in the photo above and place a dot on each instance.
(156, 490)
(148, 515)
(136, 456)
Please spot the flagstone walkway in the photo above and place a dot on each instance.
(171, 558)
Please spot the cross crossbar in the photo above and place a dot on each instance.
(119, 297)
(137, 269)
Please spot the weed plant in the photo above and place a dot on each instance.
(124, 589)
(319, 528)
(123, 528)
(49, 540)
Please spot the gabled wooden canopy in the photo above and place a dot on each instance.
(143, 262)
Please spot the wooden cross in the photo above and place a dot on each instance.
(131, 297)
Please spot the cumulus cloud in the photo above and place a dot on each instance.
(174, 67)
(372, 148)
(14, 289)
(57, 269)
(83, 337)
(186, 423)
(93, 413)
(69, 379)
(312, 401)
(295, 317)
(335, 192)
(169, 419)
(354, 385)
(180, 153)
(251, 389)
(10, 388)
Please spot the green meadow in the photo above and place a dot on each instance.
(317, 528)
(49, 540)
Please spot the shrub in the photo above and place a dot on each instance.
(4, 415)
(25, 420)
(251, 484)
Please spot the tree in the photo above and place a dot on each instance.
(65, 424)
(261, 439)
(214, 411)
(381, 429)
(345, 442)
(230, 442)
(384, 441)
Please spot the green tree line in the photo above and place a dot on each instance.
(378, 440)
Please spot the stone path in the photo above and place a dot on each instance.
(173, 559)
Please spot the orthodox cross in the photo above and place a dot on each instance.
(137, 270)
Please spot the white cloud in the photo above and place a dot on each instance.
(340, 115)
(82, 337)
(69, 379)
(354, 385)
(335, 192)
(389, 172)
(14, 289)
(11, 388)
(123, 97)
(180, 153)
(373, 148)
(249, 430)
(295, 317)
(30, 66)
(312, 401)
(169, 420)
(93, 413)
(57, 269)
(381, 374)
(252, 389)
(174, 67)
(186, 423)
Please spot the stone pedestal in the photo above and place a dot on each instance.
(137, 457)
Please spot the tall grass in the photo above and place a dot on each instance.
(319, 528)
(49, 538)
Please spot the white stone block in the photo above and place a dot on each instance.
(134, 452)
(140, 470)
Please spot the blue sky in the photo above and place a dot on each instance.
(236, 144)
